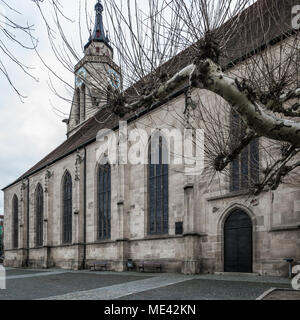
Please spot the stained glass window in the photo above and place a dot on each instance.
(15, 222)
(39, 215)
(104, 201)
(158, 186)
(245, 168)
(67, 208)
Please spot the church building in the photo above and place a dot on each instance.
(69, 210)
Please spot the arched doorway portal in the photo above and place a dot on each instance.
(238, 242)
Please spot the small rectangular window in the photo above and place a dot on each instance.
(179, 227)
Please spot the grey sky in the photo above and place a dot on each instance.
(29, 130)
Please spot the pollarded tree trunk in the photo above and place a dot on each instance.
(208, 75)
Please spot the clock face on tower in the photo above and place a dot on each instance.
(80, 76)
(113, 78)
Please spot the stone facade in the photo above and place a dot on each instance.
(202, 208)
(200, 204)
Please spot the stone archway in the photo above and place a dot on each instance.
(238, 242)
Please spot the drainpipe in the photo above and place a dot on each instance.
(27, 238)
(84, 209)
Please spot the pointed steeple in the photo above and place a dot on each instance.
(98, 34)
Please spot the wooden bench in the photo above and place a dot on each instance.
(101, 264)
(149, 264)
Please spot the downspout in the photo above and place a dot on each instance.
(84, 209)
(27, 237)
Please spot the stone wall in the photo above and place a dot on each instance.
(200, 203)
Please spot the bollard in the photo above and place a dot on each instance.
(2, 278)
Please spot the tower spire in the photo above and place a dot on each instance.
(98, 35)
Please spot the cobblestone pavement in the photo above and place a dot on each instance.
(244, 278)
(125, 289)
(206, 290)
(283, 295)
(58, 284)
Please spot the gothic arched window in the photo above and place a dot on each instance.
(67, 208)
(104, 201)
(245, 168)
(15, 218)
(39, 215)
(158, 194)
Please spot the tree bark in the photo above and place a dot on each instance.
(205, 74)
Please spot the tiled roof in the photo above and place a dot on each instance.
(235, 49)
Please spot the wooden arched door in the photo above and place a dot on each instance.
(238, 242)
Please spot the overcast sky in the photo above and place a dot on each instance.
(29, 130)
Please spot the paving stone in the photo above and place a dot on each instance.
(121, 290)
(58, 284)
(283, 295)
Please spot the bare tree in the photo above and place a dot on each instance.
(15, 35)
(244, 53)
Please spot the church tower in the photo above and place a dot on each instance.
(95, 74)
